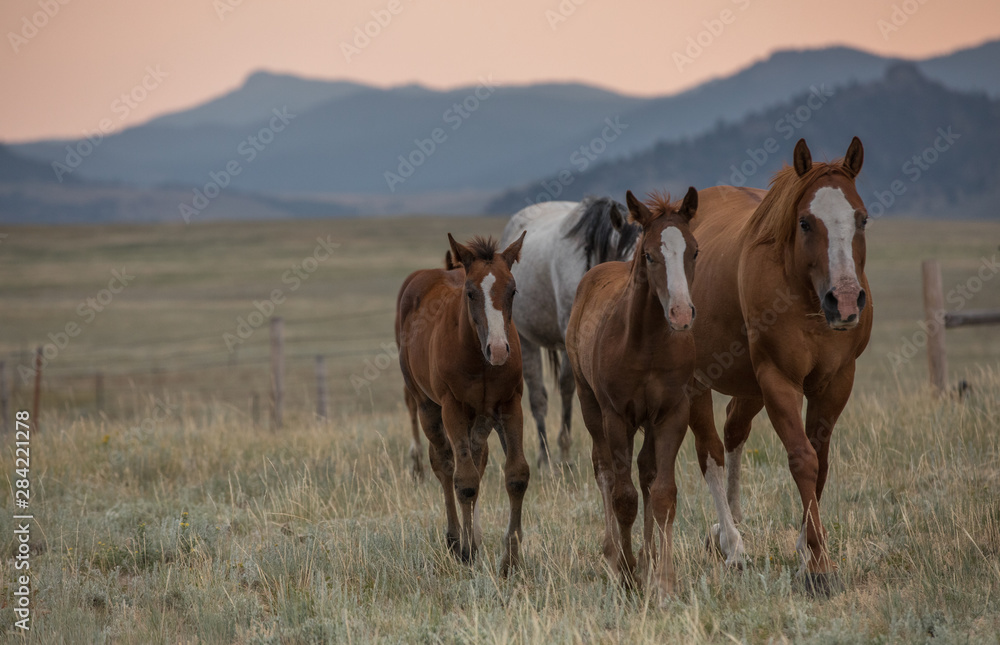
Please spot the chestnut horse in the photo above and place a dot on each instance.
(461, 364)
(785, 312)
(632, 353)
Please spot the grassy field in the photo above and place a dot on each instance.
(164, 513)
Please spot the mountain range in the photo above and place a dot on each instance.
(929, 151)
(305, 146)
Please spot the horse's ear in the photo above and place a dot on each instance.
(512, 253)
(802, 159)
(617, 219)
(449, 264)
(690, 204)
(461, 253)
(640, 214)
(855, 157)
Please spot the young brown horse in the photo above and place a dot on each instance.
(785, 312)
(461, 364)
(632, 355)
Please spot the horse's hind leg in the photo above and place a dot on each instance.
(416, 450)
(739, 415)
(443, 464)
(711, 458)
(567, 385)
(531, 366)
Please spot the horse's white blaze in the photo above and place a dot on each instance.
(730, 542)
(672, 245)
(494, 317)
(830, 205)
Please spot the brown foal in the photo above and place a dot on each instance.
(632, 353)
(461, 363)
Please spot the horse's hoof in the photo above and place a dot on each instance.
(509, 564)
(822, 585)
(713, 543)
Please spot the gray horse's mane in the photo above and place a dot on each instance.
(597, 235)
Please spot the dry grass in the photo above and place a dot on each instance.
(200, 527)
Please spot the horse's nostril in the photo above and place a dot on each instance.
(862, 299)
(830, 301)
(693, 312)
(507, 345)
(489, 351)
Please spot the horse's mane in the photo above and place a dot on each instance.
(774, 219)
(596, 233)
(484, 248)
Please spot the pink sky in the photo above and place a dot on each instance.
(66, 78)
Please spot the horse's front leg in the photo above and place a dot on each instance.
(458, 423)
(510, 424)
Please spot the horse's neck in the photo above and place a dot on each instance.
(642, 307)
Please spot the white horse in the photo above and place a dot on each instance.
(565, 239)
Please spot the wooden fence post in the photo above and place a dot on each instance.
(255, 409)
(934, 317)
(277, 370)
(4, 398)
(36, 399)
(321, 394)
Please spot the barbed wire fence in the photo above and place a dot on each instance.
(258, 378)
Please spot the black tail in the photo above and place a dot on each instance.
(597, 233)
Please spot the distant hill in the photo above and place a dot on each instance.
(253, 101)
(30, 194)
(343, 140)
(897, 117)
(18, 168)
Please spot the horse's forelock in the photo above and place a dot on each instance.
(774, 219)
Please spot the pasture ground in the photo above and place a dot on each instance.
(164, 514)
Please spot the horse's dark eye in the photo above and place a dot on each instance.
(805, 225)
(472, 295)
(864, 222)
(696, 255)
(649, 258)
